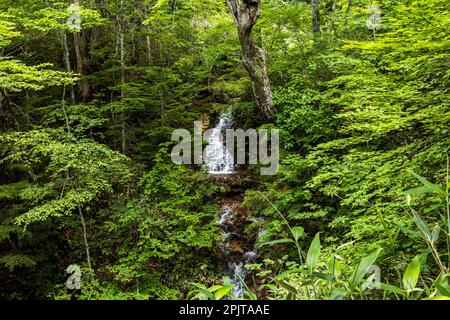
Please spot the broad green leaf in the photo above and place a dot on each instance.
(417, 191)
(322, 276)
(215, 288)
(442, 286)
(297, 232)
(437, 298)
(313, 254)
(391, 288)
(443, 290)
(433, 187)
(338, 294)
(363, 267)
(287, 287)
(427, 187)
(411, 275)
(203, 293)
(335, 268)
(222, 292)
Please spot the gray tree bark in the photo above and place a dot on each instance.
(66, 57)
(315, 16)
(245, 14)
(81, 59)
(122, 70)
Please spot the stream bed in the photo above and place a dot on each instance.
(236, 247)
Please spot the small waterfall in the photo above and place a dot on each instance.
(218, 158)
(235, 246)
(237, 249)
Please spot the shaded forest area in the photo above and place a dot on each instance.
(359, 89)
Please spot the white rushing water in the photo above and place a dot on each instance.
(238, 274)
(235, 267)
(219, 161)
(218, 158)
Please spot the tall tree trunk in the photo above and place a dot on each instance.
(122, 71)
(245, 14)
(331, 11)
(81, 58)
(149, 51)
(143, 12)
(315, 16)
(66, 58)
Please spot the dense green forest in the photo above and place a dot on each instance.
(92, 90)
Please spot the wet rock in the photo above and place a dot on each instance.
(234, 246)
(206, 122)
(233, 184)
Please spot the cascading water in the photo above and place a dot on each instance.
(218, 158)
(236, 247)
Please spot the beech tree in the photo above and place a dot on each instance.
(246, 14)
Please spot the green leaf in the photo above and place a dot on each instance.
(422, 225)
(16, 261)
(435, 233)
(226, 281)
(437, 298)
(323, 276)
(202, 292)
(442, 290)
(363, 267)
(411, 275)
(297, 232)
(433, 187)
(442, 286)
(391, 288)
(338, 294)
(287, 287)
(288, 272)
(335, 267)
(271, 287)
(250, 295)
(312, 257)
(215, 288)
(416, 191)
(427, 187)
(222, 292)
(273, 242)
